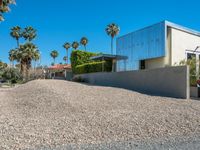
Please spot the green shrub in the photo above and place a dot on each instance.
(79, 57)
(194, 75)
(93, 67)
(11, 74)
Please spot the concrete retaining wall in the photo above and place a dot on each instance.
(169, 81)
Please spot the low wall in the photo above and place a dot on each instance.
(169, 81)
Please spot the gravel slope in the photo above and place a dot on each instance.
(51, 113)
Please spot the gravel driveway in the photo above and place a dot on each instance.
(51, 113)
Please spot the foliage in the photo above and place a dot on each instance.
(67, 45)
(11, 74)
(2, 65)
(4, 7)
(84, 42)
(65, 59)
(29, 33)
(94, 67)
(54, 54)
(75, 45)
(194, 75)
(16, 33)
(79, 57)
(78, 79)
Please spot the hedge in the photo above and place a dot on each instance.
(93, 67)
(79, 57)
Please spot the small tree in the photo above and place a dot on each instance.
(194, 75)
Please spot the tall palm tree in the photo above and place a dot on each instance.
(65, 59)
(84, 42)
(4, 7)
(29, 33)
(54, 54)
(112, 30)
(75, 45)
(67, 46)
(16, 33)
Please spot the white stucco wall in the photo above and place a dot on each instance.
(180, 42)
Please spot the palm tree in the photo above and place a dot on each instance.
(112, 30)
(54, 54)
(75, 45)
(16, 33)
(12, 56)
(25, 54)
(67, 46)
(84, 42)
(29, 33)
(65, 59)
(4, 7)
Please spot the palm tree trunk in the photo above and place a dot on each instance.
(67, 57)
(17, 42)
(112, 45)
(85, 47)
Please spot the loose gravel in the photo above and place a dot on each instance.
(55, 113)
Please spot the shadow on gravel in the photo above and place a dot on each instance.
(191, 143)
(135, 90)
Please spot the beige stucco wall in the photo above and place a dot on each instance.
(155, 63)
(180, 42)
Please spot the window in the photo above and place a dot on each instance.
(142, 64)
(190, 56)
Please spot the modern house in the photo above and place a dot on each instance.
(160, 45)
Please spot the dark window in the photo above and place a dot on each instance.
(190, 56)
(142, 64)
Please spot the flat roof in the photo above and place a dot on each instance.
(168, 24)
(109, 57)
(182, 28)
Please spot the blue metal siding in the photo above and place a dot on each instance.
(143, 44)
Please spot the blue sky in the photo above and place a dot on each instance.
(68, 20)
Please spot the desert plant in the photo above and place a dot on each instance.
(12, 75)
